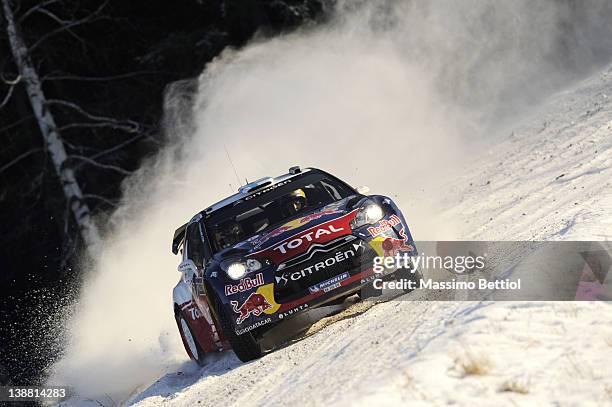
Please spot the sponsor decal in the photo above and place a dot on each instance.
(276, 232)
(368, 279)
(186, 305)
(268, 292)
(339, 257)
(388, 246)
(319, 248)
(297, 243)
(245, 284)
(259, 240)
(252, 239)
(391, 245)
(317, 215)
(292, 311)
(384, 226)
(191, 309)
(312, 236)
(329, 285)
(195, 313)
(255, 304)
(268, 189)
(255, 325)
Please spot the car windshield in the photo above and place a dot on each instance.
(257, 213)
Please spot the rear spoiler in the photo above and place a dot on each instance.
(179, 236)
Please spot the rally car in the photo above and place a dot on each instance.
(278, 247)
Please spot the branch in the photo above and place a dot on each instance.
(78, 148)
(87, 19)
(100, 78)
(19, 158)
(126, 125)
(35, 9)
(17, 123)
(127, 128)
(117, 147)
(60, 21)
(53, 16)
(10, 82)
(100, 165)
(7, 97)
(100, 198)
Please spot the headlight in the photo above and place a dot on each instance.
(370, 213)
(236, 269)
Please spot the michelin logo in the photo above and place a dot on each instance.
(329, 285)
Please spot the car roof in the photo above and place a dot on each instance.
(243, 192)
(254, 187)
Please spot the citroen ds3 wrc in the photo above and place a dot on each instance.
(278, 247)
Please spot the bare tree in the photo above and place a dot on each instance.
(28, 76)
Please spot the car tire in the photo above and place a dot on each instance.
(189, 339)
(244, 346)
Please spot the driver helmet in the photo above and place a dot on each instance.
(294, 202)
(231, 233)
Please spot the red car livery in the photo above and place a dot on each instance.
(277, 248)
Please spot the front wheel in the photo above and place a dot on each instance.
(244, 346)
(189, 340)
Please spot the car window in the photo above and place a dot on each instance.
(333, 190)
(250, 217)
(195, 245)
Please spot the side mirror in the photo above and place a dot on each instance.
(187, 267)
(189, 270)
(363, 190)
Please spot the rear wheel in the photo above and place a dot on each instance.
(189, 340)
(244, 346)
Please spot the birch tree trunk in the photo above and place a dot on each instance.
(53, 141)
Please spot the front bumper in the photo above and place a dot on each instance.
(349, 285)
(322, 268)
(270, 302)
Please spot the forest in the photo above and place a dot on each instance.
(81, 106)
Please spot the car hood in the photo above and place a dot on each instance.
(333, 218)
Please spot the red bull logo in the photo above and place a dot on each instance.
(245, 284)
(391, 245)
(384, 225)
(255, 304)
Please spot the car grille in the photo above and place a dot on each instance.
(305, 266)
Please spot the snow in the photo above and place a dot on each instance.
(550, 180)
(414, 352)
(521, 353)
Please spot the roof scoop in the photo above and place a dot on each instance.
(255, 185)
